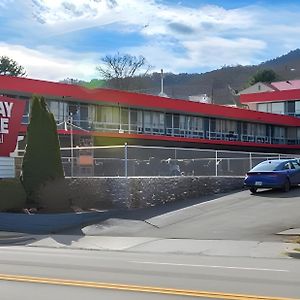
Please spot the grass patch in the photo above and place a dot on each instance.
(12, 195)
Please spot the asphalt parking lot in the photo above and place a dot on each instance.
(237, 216)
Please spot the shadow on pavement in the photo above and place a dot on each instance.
(74, 233)
(270, 193)
(142, 214)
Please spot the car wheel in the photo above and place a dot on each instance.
(253, 190)
(287, 186)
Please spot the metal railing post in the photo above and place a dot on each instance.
(216, 163)
(72, 146)
(250, 160)
(126, 159)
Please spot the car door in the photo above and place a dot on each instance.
(290, 171)
(296, 175)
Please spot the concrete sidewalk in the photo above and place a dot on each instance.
(156, 245)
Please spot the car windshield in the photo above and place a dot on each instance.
(267, 166)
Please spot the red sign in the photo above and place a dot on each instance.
(11, 112)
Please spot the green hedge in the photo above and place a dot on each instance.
(12, 195)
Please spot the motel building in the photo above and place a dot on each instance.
(112, 117)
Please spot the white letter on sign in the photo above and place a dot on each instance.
(4, 125)
(8, 106)
(2, 110)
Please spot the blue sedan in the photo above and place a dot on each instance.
(279, 173)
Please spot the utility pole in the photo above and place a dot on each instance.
(161, 81)
(72, 145)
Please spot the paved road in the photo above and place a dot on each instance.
(239, 216)
(42, 273)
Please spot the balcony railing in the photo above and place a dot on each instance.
(178, 132)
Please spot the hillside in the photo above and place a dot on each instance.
(214, 83)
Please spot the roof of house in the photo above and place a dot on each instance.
(286, 85)
(282, 91)
(67, 92)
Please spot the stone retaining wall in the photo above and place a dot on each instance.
(136, 192)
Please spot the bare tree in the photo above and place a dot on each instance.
(118, 69)
(10, 67)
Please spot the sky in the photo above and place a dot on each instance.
(59, 39)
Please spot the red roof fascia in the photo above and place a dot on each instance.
(170, 138)
(271, 96)
(179, 139)
(68, 92)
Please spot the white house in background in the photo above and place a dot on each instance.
(203, 98)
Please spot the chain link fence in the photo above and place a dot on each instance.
(128, 161)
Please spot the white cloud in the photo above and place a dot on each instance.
(195, 31)
(209, 53)
(175, 37)
(51, 64)
(66, 15)
(215, 51)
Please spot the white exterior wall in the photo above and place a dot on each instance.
(7, 167)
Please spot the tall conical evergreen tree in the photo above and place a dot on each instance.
(42, 160)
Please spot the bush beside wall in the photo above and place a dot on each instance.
(12, 195)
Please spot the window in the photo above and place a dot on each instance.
(158, 119)
(277, 108)
(297, 107)
(140, 119)
(218, 125)
(25, 119)
(169, 124)
(84, 116)
(158, 122)
(290, 108)
(124, 118)
(182, 122)
(298, 133)
(176, 122)
(147, 121)
(264, 107)
(136, 120)
(261, 130)
(278, 134)
(59, 110)
(109, 115)
(295, 164)
(75, 112)
(249, 129)
(288, 166)
(230, 126)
